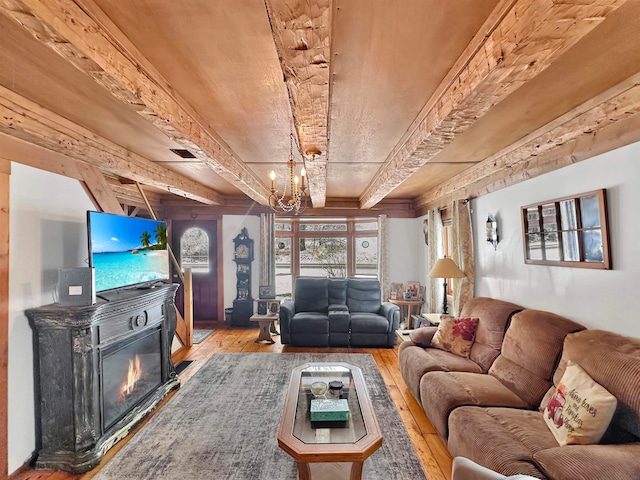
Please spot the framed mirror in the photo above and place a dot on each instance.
(568, 232)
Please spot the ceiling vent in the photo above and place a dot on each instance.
(181, 152)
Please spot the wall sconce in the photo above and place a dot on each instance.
(492, 231)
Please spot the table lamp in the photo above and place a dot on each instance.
(445, 268)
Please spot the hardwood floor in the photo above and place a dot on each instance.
(433, 454)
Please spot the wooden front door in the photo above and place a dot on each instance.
(194, 244)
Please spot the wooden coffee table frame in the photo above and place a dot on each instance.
(306, 453)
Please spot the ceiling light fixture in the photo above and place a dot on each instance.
(294, 198)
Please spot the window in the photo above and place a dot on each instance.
(324, 247)
(194, 250)
(570, 232)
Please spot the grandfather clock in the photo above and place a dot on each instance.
(243, 256)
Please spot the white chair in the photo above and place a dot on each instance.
(465, 469)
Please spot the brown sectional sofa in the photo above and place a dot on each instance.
(494, 317)
(495, 418)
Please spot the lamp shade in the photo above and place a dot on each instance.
(445, 268)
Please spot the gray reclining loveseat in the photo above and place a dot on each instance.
(338, 312)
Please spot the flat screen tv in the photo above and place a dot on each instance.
(127, 251)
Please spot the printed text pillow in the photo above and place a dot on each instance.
(580, 410)
(455, 335)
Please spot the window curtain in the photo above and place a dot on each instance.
(383, 265)
(435, 290)
(462, 254)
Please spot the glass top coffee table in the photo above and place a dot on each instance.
(333, 441)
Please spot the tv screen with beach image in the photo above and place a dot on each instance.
(126, 251)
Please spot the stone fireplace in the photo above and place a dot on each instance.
(99, 371)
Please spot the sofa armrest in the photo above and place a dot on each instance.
(573, 462)
(392, 313)
(338, 307)
(286, 314)
(422, 336)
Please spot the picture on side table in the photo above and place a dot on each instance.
(414, 289)
(397, 291)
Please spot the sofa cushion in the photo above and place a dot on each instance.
(502, 439)
(415, 361)
(337, 291)
(312, 294)
(590, 462)
(455, 335)
(494, 316)
(441, 392)
(363, 295)
(368, 322)
(310, 322)
(612, 361)
(580, 410)
(530, 352)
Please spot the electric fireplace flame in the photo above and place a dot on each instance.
(134, 374)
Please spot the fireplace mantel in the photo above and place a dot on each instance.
(69, 343)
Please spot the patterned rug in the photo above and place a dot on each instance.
(201, 334)
(223, 424)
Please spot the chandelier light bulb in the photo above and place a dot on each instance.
(295, 199)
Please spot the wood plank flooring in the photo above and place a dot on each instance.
(433, 454)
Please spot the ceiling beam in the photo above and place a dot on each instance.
(87, 38)
(23, 119)
(99, 190)
(530, 36)
(573, 137)
(302, 33)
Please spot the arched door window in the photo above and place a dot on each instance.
(194, 250)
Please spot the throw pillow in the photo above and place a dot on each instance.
(456, 335)
(580, 410)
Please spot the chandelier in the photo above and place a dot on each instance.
(293, 198)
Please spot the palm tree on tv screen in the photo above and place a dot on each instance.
(144, 239)
(161, 235)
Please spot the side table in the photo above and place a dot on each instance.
(264, 321)
(410, 305)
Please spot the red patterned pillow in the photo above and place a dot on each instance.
(456, 335)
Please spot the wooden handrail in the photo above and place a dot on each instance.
(184, 327)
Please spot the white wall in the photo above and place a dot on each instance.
(47, 232)
(604, 299)
(231, 227)
(407, 250)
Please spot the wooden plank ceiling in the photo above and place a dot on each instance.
(411, 103)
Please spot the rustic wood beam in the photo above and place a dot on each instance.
(302, 33)
(98, 189)
(566, 140)
(27, 121)
(87, 38)
(531, 35)
(130, 195)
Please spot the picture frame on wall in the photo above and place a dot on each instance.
(267, 291)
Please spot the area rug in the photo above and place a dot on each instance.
(223, 424)
(201, 334)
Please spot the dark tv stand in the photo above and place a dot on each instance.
(70, 346)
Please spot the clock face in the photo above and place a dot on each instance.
(242, 251)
